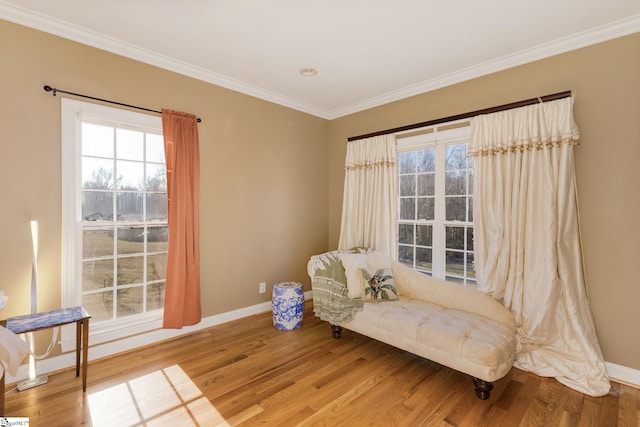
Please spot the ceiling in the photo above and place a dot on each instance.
(366, 52)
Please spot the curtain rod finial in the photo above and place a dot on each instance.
(48, 88)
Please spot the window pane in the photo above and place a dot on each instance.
(456, 208)
(455, 263)
(130, 175)
(156, 178)
(455, 237)
(129, 206)
(97, 274)
(407, 162)
(426, 208)
(97, 206)
(97, 243)
(157, 238)
(130, 240)
(129, 301)
(97, 140)
(405, 255)
(424, 259)
(129, 144)
(156, 267)
(157, 207)
(424, 235)
(456, 157)
(470, 238)
(456, 183)
(155, 148)
(97, 174)
(408, 208)
(100, 305)
(427, 160)
(130, 270)
(407, 185)
(470, 186)
(426, 184)
(155, 296)
(471, 270)
(470, 209)
(405, 233)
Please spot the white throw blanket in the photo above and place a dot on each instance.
(12, 351)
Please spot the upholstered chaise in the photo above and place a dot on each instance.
(453, 325)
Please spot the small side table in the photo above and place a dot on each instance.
(287, 303)
(50, 319)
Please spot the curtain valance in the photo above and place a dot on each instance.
(520, 129)
(371, 153)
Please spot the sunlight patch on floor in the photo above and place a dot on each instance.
(164, 397)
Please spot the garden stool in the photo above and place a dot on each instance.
(287, 302)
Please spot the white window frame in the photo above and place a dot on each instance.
(73, 112)
(438, 137)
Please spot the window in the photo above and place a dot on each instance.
(115, 230)
(435, 218)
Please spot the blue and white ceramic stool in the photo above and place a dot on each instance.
(287, 302)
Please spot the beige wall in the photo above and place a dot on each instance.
(265, 181)
(606, 80)
(263, 192)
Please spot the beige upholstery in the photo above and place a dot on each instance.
(453, 325)
(466, 342)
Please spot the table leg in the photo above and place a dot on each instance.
(78, 335)
(85, 352)
(2, 395)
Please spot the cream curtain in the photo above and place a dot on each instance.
(527, 239)
(369, 207)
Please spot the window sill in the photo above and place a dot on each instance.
(112, 331)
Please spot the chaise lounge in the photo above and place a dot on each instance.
(453, 325)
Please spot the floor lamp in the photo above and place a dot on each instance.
(33, 380)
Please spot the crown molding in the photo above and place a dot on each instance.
(65, 30)
(593, 36)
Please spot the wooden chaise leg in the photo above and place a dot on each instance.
(336, 331)
(483, 388)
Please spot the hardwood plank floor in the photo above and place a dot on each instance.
(246, 373)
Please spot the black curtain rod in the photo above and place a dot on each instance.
(490, 110)
(48, 88)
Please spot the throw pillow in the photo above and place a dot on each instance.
(379, 285)
(352, 264)
(378, 259)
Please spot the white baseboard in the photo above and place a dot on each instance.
(99, 351)
(618, 373)
(623, 374)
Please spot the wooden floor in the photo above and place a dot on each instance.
(248, 373)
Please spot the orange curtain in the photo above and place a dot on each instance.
(182, 294)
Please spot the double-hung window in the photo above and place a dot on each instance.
(435, 218)
(115, 230)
